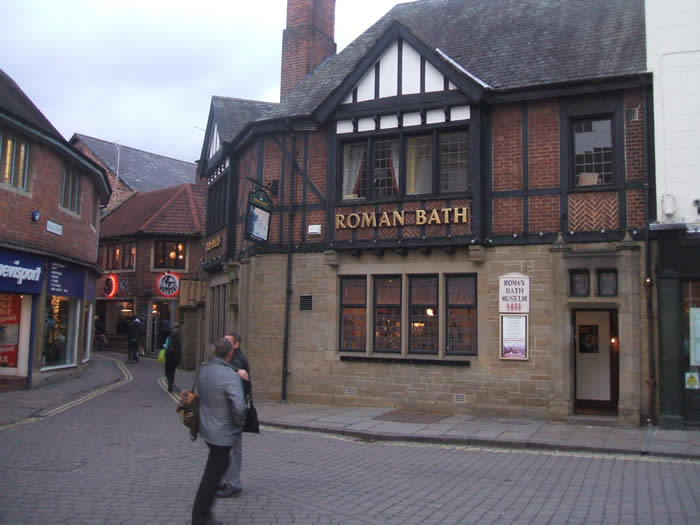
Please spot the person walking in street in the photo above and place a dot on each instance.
(172, 357)
(134, 335)
(231, 485)
(222, 410)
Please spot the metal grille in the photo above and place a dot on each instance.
(459, 398)
(306, 302)
(350, 391)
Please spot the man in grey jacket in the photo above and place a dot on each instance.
(222, 409)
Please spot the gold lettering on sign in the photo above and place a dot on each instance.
(213, 243)
(398, 218)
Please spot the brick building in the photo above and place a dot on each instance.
(449, 213)
(50, 196)
(131, 169)
(148, 244)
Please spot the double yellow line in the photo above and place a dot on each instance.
(127, 377)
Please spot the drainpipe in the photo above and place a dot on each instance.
(288, 292)
(648, 282)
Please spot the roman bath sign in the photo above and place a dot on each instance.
(514, 293)
(398, 218)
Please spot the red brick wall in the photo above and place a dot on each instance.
(507, 215)
(307, 40)
(543, 144)
(635, 208)
(120, 191)
(634, 138)
(543, 213)
(507, 148)
(45, 174)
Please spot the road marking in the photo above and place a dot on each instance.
(163, 382)
(127, 377)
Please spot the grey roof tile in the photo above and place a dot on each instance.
(141, 170)
(232, 114)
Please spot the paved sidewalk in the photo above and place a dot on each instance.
(373, 423)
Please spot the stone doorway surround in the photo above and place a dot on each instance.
(626, 258)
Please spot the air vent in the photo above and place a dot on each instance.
(306, 302)
(459, 398)
(632, 114)
(350, 391)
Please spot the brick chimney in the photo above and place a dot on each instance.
(307, 41)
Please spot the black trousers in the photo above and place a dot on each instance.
(217, 463)
(170, 367)
(133, 350)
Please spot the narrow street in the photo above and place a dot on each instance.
(123, 457)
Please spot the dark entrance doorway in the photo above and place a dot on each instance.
(596, 362)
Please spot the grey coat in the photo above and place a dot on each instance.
(222, 406)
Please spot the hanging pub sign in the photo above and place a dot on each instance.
(257, 225)
(514, 293)
(168, 284)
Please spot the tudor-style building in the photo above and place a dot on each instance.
(449, 213)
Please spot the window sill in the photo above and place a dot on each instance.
(180, 270)
(70, 212)
(15, 189)
(600, 187)
(451, 361)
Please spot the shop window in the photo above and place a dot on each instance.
(423, 314)
(353, 314)
(607, 283)
(60, 331)
(580, 285)
(70, 189)
(10, 317)
(388, 168)
(14, 161)
(128, 255)
(387, 314)
(460, 298)
(170, 254)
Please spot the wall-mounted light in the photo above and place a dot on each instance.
(613, 340)
(35, 215)
(429, 312)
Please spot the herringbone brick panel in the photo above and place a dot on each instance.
(593, 211)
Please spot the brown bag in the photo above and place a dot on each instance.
(188, 407)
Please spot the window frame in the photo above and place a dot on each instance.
(370, 138)
(572, 131)
(69, 172)
(579, 271)
(11, 158)
(164, 242)
(599, 272)
(128, 261)
(376, 305)
(343, 305)
(435, 305)
(469, 308)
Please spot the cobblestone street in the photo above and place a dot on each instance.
(124, 457)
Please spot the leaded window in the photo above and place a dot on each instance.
(169, 254)
(423, 314)
(580, 285)
(607, 283)
(461, 314)
(454, 161)
(386, 168)
(353, 314)
(387, 315)
(593, 152)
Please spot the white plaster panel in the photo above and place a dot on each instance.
(593, 369)
(434, 81)
(459, 113)
(365, 88)
(343, 126)
(365, 124)
(389, 122)
(411, 119)
(434, 116)
(388, 71)
(451, 86)
(348, 99)
(410, 70)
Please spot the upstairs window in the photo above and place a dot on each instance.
(214, 142)
(70, 189)
(113, 257)
(593, 152)
(14, 161)
(170, 254)
(381, 168)
(128, 256)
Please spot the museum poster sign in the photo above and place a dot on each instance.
(514, 345)
(514, 293)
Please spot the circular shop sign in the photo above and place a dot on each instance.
(168, 284)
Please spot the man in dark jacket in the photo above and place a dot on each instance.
(231, 485)
(134, 335)
(172, 357)
(222, 411)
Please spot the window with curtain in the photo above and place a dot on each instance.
(128, 255)
(386, 168)
(353, 314)
(423, 314)
(354, 171)
(419, 165)
(14, 161)
(460, 291)
(387, 314)
(169, 254)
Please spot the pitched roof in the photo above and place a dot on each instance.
(178, 210)
(140, 170)
(13, 100)
(232, 114)
(506, 44)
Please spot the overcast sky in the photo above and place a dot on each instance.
(142, 72)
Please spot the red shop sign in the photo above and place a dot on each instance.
(10, 308)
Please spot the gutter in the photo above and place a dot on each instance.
(648, 281)
(288, 289)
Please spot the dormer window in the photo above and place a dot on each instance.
(214, 142)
